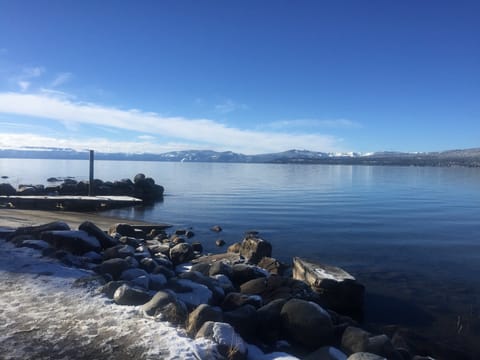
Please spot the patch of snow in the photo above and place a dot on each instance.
(224, 333)
(43, 317)
(200, 294)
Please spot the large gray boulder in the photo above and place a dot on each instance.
(230, 345)
(338, 289)
(181, 253)
(200, 315)
(354, 340)
(114, 267)
(158, 301)
(166, 306)
(36, 230)
(127, 295)
(244, 320)
(118, 251)
(254, 249)
(270, 321)
(307, 323)
(93, 230)
(77, 242)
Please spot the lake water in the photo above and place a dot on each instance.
(410, 234)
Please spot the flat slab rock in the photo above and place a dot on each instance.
(339, 289)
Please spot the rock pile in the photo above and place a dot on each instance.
(141, 187)
(242, 295)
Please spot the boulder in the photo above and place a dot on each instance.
(306, 323)
(154, 306)
(229, 344)
(213, 285)
(354, 340)
(157, 282)
(244, 320)
(36, 230)
(338, 288)
(130, 240)
(175, 312)
(200, 315)
(166, 306)
(277, 287)
(254, 249)
(7, 189)
(122, 229)
(270, 321)
(192, 293)
(242, 273)
(234, 248)
(109, 288)
(77, 242)
(202, 268)
(127, 295)
(273, 266)
(220, 242)
(181, 253)
(118, 251)
(381, 345)
(148, 264)
(114, 267)
(165, 271)
(220, 267)
(93, 230)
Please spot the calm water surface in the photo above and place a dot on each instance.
(411, 234)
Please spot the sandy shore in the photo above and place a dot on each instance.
(16, 218)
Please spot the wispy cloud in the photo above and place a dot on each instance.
(314, 123)
(195, 132)
(229, 106)
(21, 141)
(24, 85)
(61, 79)
(24, 79)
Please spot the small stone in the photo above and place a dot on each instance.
(216, 228)
(220, 242)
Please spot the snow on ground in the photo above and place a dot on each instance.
(45, 315)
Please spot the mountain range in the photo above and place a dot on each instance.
(465, 157)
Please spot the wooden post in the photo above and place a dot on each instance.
(90, 182)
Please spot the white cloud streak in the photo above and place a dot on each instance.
(198, 133)
(229, 106)
(61, 79)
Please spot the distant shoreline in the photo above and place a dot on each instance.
(451, 158)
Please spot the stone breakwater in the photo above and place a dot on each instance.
(141, 187)
(239, 297)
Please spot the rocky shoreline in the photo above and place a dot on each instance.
(240, 297)
(141, 187)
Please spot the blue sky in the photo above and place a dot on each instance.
(247, 76)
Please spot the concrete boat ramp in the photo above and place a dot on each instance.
(70, 202)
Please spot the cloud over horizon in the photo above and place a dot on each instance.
(177, 133)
